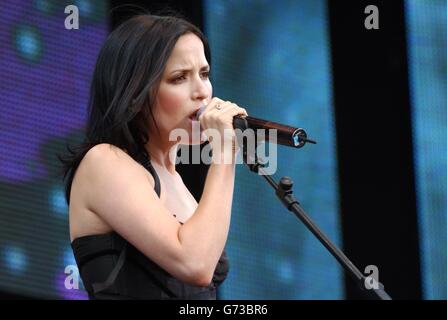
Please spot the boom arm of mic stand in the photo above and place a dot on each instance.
(285, 194)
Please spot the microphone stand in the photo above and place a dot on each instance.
(284, 192)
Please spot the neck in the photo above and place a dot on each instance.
(163, 154)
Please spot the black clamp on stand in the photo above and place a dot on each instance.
(285, 194)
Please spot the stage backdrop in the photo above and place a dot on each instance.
(274, 60)
(45, 76)
(427, 46)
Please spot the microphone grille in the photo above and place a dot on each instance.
(202, 108)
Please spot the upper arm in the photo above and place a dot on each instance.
(121, 194)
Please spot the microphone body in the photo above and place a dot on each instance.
(285, 135)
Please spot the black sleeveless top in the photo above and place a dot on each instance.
(112, 268)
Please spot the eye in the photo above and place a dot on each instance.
(206, 74)
(178, 79)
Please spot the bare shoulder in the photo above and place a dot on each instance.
(105, 162)
(103, 154)
(107, 170)
(99, 177)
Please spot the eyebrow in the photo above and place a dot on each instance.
(187, 70)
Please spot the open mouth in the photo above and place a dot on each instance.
(193, 115)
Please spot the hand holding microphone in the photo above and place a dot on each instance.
(218, 115)
(214, 115)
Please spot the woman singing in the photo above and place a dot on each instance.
(135, 229)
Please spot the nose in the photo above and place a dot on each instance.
(201, 90)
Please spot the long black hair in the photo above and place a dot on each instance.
(124, 86)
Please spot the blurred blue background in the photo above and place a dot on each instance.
(427, 43)
(45, 78)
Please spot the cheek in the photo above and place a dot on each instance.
(168, 107)
(170, 101)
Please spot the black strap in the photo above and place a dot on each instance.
(156, 179)
(146, 162)
(101, 286)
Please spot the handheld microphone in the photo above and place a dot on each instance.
(286, 135)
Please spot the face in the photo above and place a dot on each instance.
(184, 86)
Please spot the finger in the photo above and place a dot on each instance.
(211, 105)
(223, 109)
(244, 111)
(227, 110)
(232, 112)
(236, 110)
(214, 102)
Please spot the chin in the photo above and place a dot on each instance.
(185, 134)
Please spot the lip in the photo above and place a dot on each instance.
(192, 114)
